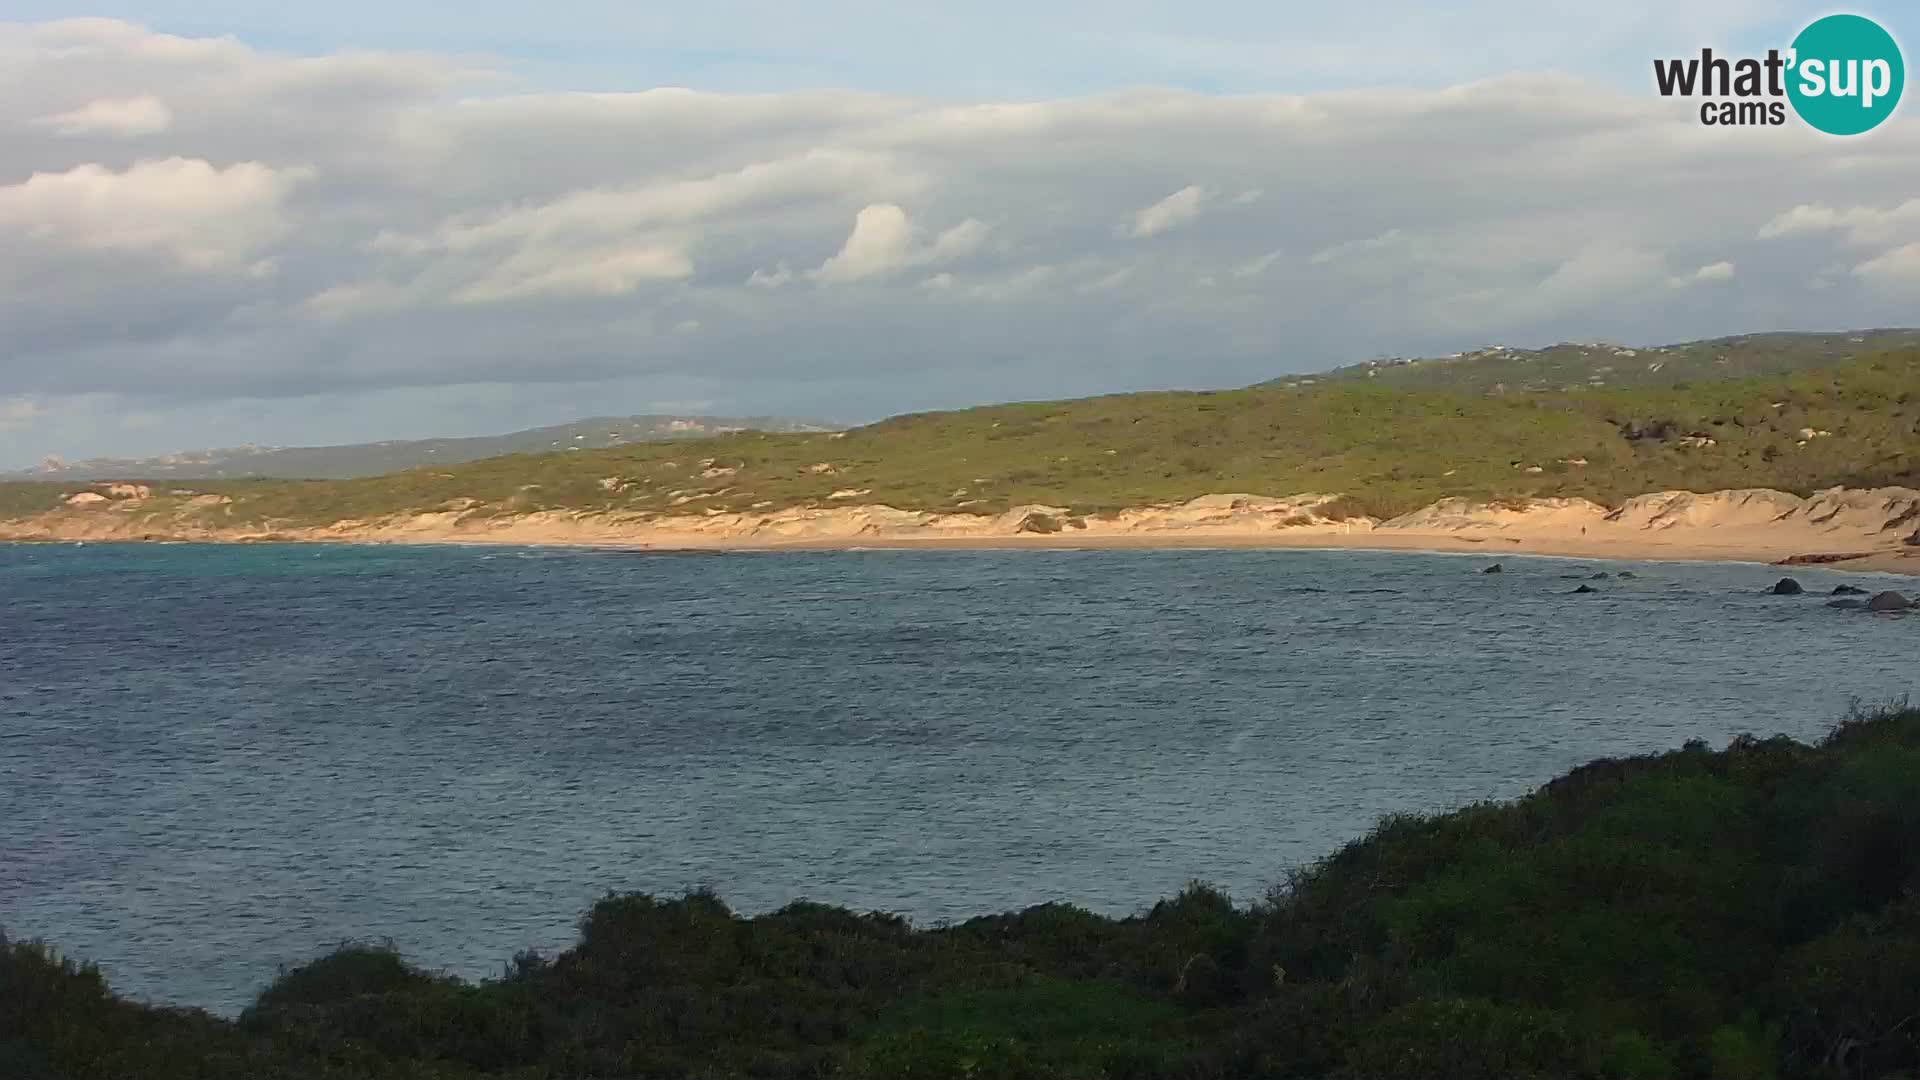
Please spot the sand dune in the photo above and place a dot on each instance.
(1872, 528)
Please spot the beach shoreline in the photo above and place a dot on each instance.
(1600, 549)
(1869, 530)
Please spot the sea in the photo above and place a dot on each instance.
(220, 761)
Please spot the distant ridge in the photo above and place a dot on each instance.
(1496, 369)
(378, 458)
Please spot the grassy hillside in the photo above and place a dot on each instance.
(1582, 366)
(1748, 913)
(1856, 424)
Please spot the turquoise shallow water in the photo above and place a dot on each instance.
(214, 761)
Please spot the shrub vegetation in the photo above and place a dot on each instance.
(1388, 449)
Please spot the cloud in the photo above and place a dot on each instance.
(1892, 233)
(1900, 265)
(1712, 272)
(1863, 225)
(770, 279)
(880, 243)
(610, 271)
(128, 117)
(19, 412)
(1111, 280)
(368, 245)
(1024, 284)
(1384, 241)
(594, 212)
(1256, 266)
(1601, 272)
(884, 242)
(203, 216)
(1171, 212)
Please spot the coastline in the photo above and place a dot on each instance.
(1599, 550)
(1871, 530)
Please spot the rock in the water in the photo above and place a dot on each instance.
(1602, 576)
(1889, 601)
(1848, 605)
(1494, 569)
(1848, 590)
(1586, 589)
(1786, 586)
(1626, 574)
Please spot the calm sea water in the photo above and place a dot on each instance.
(215, 761)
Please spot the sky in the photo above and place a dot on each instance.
(226, 223)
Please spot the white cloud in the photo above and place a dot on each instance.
(1390, 239)
(1256, 266)
(1712, 272)
(337, 301)
(1111, 280)
(202, 215)
(128, 117)
(594, 212)
(383, 230)
(881, 242)
(963, 239)
(1600, 273)
(770, 279)
(1024, 284)
(1892, 232)
(884, 242)
(1900, 265)
(610, 271)
(1171, 212)
(1863, 225)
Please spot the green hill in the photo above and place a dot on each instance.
(1573, 366)
(1748, 913)
(1855, 424)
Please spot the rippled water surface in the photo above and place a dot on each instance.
(214, 761)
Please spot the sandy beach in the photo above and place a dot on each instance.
(1854, 529)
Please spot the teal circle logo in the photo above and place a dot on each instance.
(1846, 74)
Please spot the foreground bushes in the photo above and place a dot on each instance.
(1747, 913)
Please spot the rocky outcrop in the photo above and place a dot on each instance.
(1786, 586)
(1889, 601)
(1038, 520)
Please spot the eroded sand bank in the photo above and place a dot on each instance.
(1876, 529)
